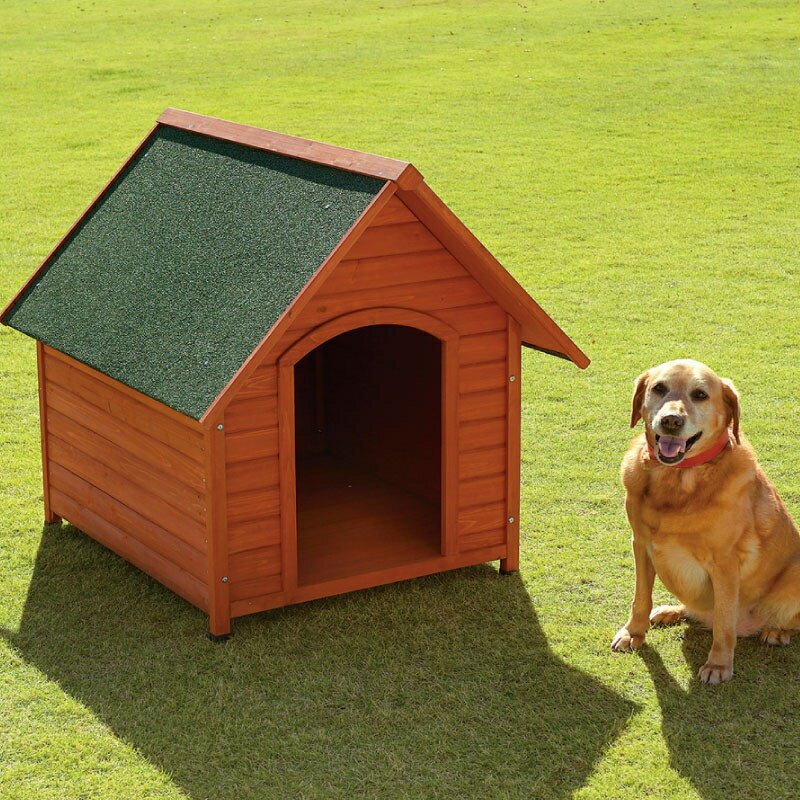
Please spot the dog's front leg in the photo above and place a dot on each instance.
(631, 635)
(725, 580)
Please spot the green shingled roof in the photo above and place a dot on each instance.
(187, 261)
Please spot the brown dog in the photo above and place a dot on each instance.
(705, 518)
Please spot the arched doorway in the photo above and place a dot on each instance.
(368, 450)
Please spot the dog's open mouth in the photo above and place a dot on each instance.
(671, 449)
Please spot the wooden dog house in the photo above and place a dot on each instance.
(272, 370)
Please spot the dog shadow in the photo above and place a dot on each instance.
(437, 687)
(743, 733)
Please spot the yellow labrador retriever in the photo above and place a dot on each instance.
(705, 518)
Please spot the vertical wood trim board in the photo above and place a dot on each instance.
(49, 516)
(513, 422)
(219, 602)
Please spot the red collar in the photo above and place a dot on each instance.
(702, 458)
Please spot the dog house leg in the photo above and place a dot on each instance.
(219, 629)
(508, 566)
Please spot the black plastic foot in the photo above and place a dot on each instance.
(508, 571)
(222, 637)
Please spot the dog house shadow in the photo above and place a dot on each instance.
(441, 686)
(740, 734)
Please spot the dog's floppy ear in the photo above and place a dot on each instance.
(731, 398)
(638, 397)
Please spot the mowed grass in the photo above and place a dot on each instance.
(635, 166)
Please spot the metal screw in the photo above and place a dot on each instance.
(513, 378)
(511, 519)
(219, 427)
(224, 578)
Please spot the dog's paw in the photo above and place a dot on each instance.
(715, 673)
(775, 636)
(625, 641)
(667, 615)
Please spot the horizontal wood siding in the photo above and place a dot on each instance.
(253, 500)
(128, 474)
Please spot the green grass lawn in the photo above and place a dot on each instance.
(636, 166)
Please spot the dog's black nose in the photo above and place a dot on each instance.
(672, 422)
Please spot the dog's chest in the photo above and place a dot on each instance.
(681, 572)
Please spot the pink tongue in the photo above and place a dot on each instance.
(670, 446)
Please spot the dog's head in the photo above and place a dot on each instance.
(685, 406)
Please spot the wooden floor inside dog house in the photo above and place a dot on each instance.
(350, 522)
(368, 453)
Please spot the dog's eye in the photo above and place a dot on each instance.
(699, 394)
(660, 388)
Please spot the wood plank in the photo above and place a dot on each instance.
(246, 476)
(394, 212)
(482, 433)
(130, 523)
(482, 377)
(475, 541)
(262, 562)
(252, 534)
(482, 405)
(251, 414)
(469, 320)
(287, 491)
(149, 478)
(120, 488)
(478, 519)
(246, 506)
(513, 418)
(150, 403)
(405, 237)
(251, 445)
(449, 448)
(428, 296)
(248, 596)
(49, 517)
(483, 347)
(219, 601)
(165, 572)
(478, 463)
(125, 408)
(393, 270)
(183, 468)
(294, 146)
(483, 491)
(264, 381)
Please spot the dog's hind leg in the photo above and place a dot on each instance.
(781, 608)
(668, 615)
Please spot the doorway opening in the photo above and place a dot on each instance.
(368, 433)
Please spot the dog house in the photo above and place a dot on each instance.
(273, 370)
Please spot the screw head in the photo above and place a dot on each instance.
(513, 378)
(511, 519)
(219, 427)
(224, 578)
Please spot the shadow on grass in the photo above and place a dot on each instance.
(738, 739)
(439, 687)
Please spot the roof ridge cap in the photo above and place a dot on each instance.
(331, 155)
